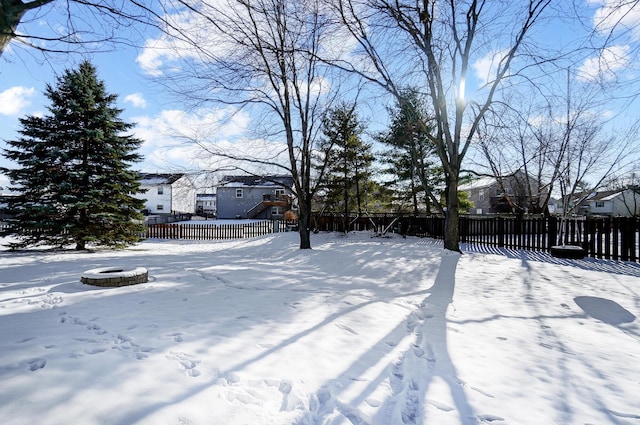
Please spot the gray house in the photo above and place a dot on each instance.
(508, 194)
(254, 197)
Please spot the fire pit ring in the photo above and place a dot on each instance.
(115, 276)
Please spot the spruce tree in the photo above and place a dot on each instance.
(411, 157)
(73, 176)
(348, 166)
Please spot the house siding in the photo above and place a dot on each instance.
(487, 197)
(178, 194)
(229, 206)
(254, 192)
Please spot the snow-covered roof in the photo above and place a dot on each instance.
(480, 183)
(256, 181)
(156, 179)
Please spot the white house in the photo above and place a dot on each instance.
(168, 193)
(623, 203)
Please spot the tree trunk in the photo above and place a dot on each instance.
(451, 220)
(304, 228)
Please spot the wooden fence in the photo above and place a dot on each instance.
(217, 231)
(611, 238)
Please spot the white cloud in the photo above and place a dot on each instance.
(485, 68)
(15, 99)
(606, 65)
(177, 139)
(616, 14)
(136, 99)
(188, 35)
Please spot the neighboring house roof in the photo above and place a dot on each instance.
(480, 183)
(155, 179)
(605, 195)
(256, 181)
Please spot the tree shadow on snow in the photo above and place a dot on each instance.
(411, 376)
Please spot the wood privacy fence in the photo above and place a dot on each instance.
(612, 238)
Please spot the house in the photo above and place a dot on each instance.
(167, 194)
(206, 204)
(615, 203)
(489, 197)
(254, 197)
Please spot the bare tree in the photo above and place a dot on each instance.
(262, 57)
(564, 146)
(83, 24)
(434, 44)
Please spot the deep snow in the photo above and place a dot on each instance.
(359, 330)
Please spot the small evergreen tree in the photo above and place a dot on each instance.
(74, 179)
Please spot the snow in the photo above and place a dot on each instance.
(359, 330)
(480, 183)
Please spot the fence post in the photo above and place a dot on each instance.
(500, 232)
(552, 231)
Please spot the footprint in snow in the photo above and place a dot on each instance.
(177, 336)
(36, 364)
(346, 328)
(186, 362)
(95, 350)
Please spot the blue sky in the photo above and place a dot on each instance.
(163, 122)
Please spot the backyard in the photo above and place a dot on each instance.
(359, 330)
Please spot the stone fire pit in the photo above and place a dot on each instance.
(115, 276)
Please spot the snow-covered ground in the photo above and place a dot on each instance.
(358, 330)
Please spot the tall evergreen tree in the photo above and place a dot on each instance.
(73, 176)
(349, 160)
(411, 158)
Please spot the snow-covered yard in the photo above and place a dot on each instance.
(358, 330)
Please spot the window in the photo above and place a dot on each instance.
(277, 211)
(238, 193)
(279, 193)
(160, 190)
(159, 207)
(599, 204)
(481, 195)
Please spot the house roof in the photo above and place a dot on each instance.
(608, 195)
(605, 195)
(256, 181)
(155, 179)
(480, 183)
